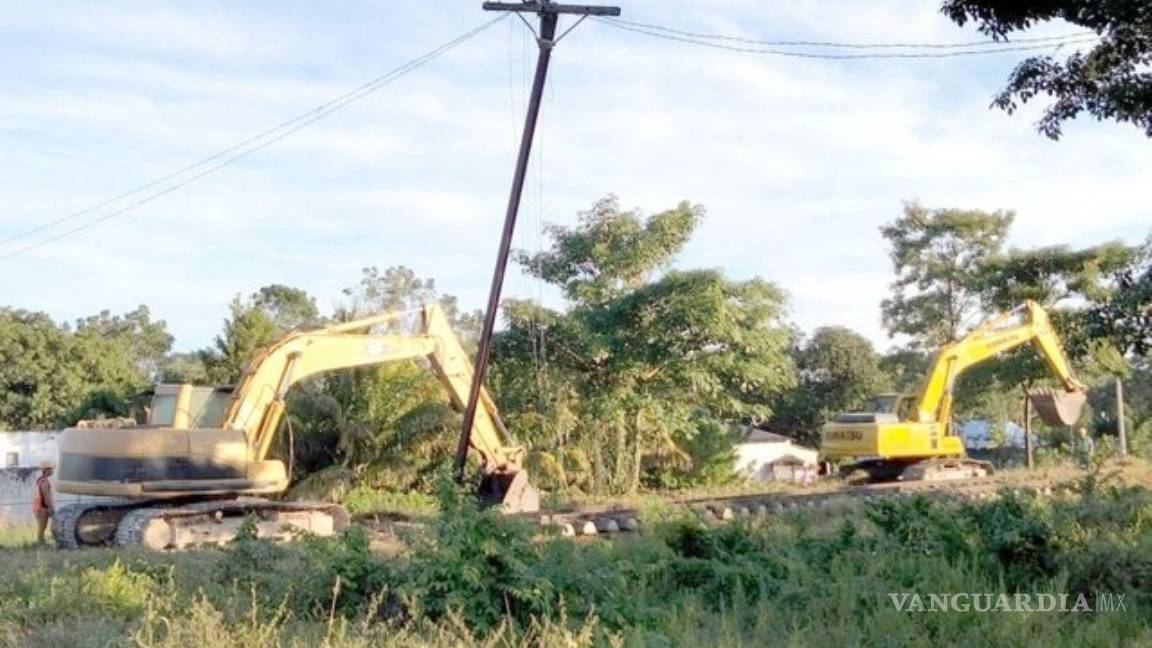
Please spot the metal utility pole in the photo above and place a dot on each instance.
(549, 13)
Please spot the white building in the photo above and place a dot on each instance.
(765, 456)
(20, 457)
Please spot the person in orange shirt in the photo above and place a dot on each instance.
(43, 503)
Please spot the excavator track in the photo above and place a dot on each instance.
(219, 522)
(89, 524)
(162, 524)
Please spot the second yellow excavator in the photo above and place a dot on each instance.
(189, 474)
(912, 437)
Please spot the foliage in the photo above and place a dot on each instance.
(838, 370)
(611, 252)
(143, 341)
(812, 578)
(50, 376)
(1109, 81)
(1126, 315)
(248, 330)
(478, 564)
(939, 256)
(628, 370)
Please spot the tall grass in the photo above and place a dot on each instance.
(475, 578)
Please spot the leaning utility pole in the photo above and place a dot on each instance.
(549, 13)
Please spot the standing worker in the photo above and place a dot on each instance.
(43, 503)
(1086, 447)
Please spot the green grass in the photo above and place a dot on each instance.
(819, 578)
(17, 536)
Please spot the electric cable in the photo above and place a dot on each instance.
(1076, 40)
(239, 151)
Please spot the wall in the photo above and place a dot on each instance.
(756, 458)
(17, 484)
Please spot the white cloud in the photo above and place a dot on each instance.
(798, 162)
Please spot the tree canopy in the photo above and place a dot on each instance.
(628, 381)
(51, 376)
(1109, 81)
(938, 256)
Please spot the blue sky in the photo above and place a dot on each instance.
(798, 162)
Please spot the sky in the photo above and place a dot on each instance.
(797, 162)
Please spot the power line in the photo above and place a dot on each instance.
(818, 55)
(843, 44)
(239, 150)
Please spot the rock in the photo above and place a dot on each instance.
(607, 525)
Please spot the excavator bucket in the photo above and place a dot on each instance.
(1057, 407)
(511, 491)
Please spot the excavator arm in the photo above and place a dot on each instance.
(258, 401)
(1026, 323)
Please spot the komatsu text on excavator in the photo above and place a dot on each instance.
(913, 437)
(189, 475)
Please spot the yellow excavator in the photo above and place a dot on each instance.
(191, 473)
(913, 437)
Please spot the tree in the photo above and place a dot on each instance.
(290, 309)
(398, 289)
(1054, 274)
(396, 417)
(50, 377)
(635, 372)
(248, 330)
(938, 255)
(611, 251)
(1125, 316)
(838, 370)
(144, 342)
(253, 324)
(1109, 81)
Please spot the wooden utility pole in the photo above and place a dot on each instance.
(549, 13)
(1121, 433)
(1028, 429)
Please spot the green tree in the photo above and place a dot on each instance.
(637, 369)
(399, 289)
(1109, 81)
(290, 309)
(838, 370)
(1053, 275)
(252, 325)
(248, 330)
(939, 257)
(145, 342)
(611, 251)
(1125, 316)
(50, 377)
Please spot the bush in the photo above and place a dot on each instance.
(478, 564)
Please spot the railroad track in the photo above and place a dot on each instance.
(592, 521)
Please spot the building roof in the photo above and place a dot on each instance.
(755, 435)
